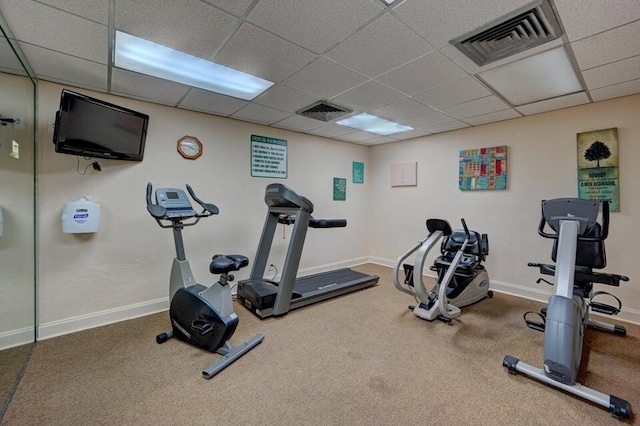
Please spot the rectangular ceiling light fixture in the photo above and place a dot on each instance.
(372, 124)
(145, 57)
(543, 76)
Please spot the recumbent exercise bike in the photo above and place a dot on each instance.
(578, 249)
(462, 279)
(202, 316)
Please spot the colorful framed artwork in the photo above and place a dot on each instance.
(483, 168)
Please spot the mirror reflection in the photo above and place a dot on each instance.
(17, 214)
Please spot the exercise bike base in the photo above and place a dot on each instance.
(231, 354)
(618, 407)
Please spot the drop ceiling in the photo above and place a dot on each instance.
(394, 61)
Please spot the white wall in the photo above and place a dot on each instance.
(542, 164)
(17, 201)
(123, 270)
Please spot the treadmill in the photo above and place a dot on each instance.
(266, 298)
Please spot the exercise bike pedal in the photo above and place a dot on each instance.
(604, 308)
(535, 325)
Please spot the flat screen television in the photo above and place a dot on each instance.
(93, 128)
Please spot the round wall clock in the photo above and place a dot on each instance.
(190, 147)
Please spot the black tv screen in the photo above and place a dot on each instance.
(93, 128)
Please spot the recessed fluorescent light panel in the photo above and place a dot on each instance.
(140, 55)
(372, 124)
(543, 76)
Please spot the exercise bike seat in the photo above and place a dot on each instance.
(225, 263)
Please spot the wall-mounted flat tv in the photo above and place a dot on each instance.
(90, 127)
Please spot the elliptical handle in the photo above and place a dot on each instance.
(210, 208)
(466, 230)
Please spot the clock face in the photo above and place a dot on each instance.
(190, 147)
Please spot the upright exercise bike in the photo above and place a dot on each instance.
(578, 248)
(462, 279)
(202, 316)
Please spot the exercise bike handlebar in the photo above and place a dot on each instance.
(211, 209)
(603, 234)
(159, 212)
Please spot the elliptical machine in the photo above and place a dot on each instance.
(462, 279)
(578, 248)
(201, 316)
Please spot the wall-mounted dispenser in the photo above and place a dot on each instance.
(81, 216)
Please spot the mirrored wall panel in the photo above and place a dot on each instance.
(17, 216)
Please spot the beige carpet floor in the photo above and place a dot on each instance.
(361, 359)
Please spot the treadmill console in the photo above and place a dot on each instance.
(176, 203)
(279, 195)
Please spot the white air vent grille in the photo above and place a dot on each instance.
(324, 111)
(516, 32)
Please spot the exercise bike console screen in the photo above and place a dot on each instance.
(175, 201)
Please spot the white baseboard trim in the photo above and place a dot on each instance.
(71, 325)
(97, 319)
(625, 315)
(13, 338)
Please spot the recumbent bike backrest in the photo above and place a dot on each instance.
(589, 254)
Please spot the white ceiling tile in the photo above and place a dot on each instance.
(215, 103)
(426, 120)
(406, 108)
(325, 78)
(145, 87)
(476, 107)
(184, 25)
(236, 7)
(506, 114)
(380, 47)
(262, 54)
(380, 140)
(582, 18)
(454, 93)
(8, 60)
(609, 46)
(358, 136)
(314, 25)
(440, 21)
(298, 122)
(553, 104)
(616, 91)
(260, 114)
(447, 127)
(96, 10)
(422, 74)
(331, 130)
(61, 68)
(367, 96)
(410, 134)
(616, 72)
(63, 32)
(285, 98)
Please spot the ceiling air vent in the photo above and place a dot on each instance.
(324, 111)
(513, 33)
